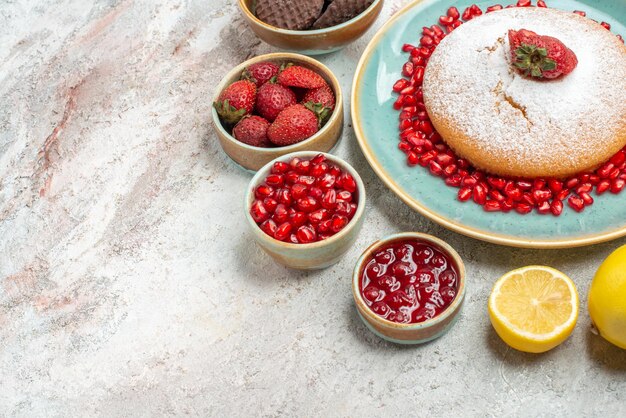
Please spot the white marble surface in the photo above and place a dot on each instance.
(129, 285)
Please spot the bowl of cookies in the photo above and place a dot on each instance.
(310, 27)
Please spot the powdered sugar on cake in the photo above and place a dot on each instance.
(471, 83)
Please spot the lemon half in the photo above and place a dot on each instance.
(534, 308)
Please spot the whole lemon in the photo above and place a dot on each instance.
(607, 298)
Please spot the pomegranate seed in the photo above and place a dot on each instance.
(544, 207)
(528, 198)
(523, 208)
(496, 195)
(435, 168)
(280, 214)
(316, 193)
(572, 183)
(427, 157)
(542, 195)
(284, 196)
(453, 12)
(618, 159)
(467, 14)
(491, 206)
(445, 20)
(496, 183)
(319, 169)
(617, 185)
(513, 192)
(606, 169)
(605, 25)
(297, 219)
(298, 190)
(541, 3)
(480, 194)
(329, 199)
(318, 159)
(426, 40)
(338, 223)
(303, 167)
(413, 158)
(400, 85)
(275, 180)
(283, 231)
(344, 196)
(270, 204)
(464, 194)
(476, 11)
(407, 70)
(562, 194)
(307, 204)
(306, 234)
(449, 170)
(306, 180)
(262, 191)
(280, 167)
(438, 32)
(469, 181)
(454, 180)
(527, 185)
(292, 177)
(584, 188)
(347, 182)
(327, 181)
(555, 185)
(603, 186)
(523, 3)
(506, 205)
(324, 226)
(556, 207)
(258, 211)
(269, 227)
(586, 197)
(580, 13)
(576, 203)
(427, 31)
(407, 48)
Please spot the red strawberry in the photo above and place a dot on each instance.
(261, 72)
(236, 101)
(540, 56)
(272, 99)
(296, 76)
(323, 95)
(252, 130)
(294, 124)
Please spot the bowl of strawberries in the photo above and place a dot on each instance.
(276, 104)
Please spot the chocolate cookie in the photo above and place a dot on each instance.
(289, 14)
(340, 11)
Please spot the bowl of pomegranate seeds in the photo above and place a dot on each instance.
(305, 209)
(310, 26)
(409, 287)
(276, 104)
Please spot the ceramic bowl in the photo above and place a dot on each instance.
(253, 158)
(316, 255)
(312, 42)
(415, 333)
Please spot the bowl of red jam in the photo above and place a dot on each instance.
(305, 209)
(409, 287)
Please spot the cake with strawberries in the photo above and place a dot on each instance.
(529, 92)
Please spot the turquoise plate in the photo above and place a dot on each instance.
(376, 126)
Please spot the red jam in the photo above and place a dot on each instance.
(409, 281)
(305, 200)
